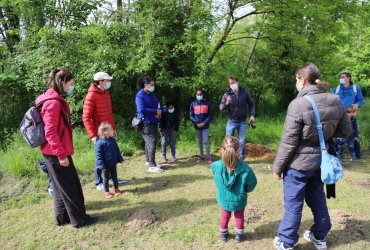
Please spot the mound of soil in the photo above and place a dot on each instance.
(258, 152)
(361, 182)
(253, 214)
(159, 185)
(348, 223)
(141, 218)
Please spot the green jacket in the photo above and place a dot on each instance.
(232, 188)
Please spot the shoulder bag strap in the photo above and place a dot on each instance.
(318, 123)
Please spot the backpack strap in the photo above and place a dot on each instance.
(354, 88)
(337, 90)
(62, 111)
(318, 123)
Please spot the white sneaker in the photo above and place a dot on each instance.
(155, 170)
(100, 187)
(279, 244)
(319, 244)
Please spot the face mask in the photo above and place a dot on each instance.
(171, 110)
(299, 88)
(341, 81)
(151, 88)
(107, 85)
(199, 97)
(69, 90)
(234, 86)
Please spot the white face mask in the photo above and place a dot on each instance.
(299, 86)
(171, 110)
(234, 86)
(151, 88)
(69, 90)
(341, 81)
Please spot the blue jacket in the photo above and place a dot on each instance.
(107, 153)
(232, 188)
(169, 120)
(200, 112)
(147, 106)
(348, 96)
(238, 105)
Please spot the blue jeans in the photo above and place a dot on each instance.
(300, 186)
(202, 135)
(341, 145)
(169, 133)
(241, 127)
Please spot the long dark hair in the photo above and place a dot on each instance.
(57, 77)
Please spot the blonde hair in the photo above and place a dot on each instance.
(230, 154)
(103, 129)
(351, 109)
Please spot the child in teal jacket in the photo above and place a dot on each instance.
(233, 179)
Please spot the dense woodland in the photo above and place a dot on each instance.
(183, 44)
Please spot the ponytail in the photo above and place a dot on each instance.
(57, 77)
(230, 154)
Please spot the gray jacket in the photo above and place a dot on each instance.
(300, 146)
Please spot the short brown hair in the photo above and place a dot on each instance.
(59, 76)
(234, 78)
(103, 128)
(351, 109)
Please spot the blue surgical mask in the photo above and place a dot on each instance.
(69, 90)
(171, 110)
(151, 88)
(234, 86)
(199, 97)
(107, 85)
(341, 81)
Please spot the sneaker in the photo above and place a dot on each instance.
(163, 161)
(209, 161)
(108, 195)
(319, 244)
(100, 187)
(155, 170)
(117, 192)
(279, 244)
(224, 236)
(173, 160)
(122, 181)
(240, 237)
(200, 159)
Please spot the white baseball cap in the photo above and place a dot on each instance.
(102, 76)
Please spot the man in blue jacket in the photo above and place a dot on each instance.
(236, 100)
(350, 95)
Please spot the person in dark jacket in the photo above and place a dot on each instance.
(299, 157)
(169, 126)
(233, 179)
(69, 204)
(148, 109)
(200, 116)
(107, 155)
(236, 100)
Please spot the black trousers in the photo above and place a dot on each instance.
(110, 173)
(69, 206)
(150, 133)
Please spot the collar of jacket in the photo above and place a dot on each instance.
(94, 88)
(230, 91)
(310, 90)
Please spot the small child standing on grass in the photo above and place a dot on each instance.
(169, 126)
(107, 156)
(341, 142)
(234, 179)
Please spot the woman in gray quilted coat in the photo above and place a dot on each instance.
(299, 157)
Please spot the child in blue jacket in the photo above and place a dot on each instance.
(234, 179)
(200, 116)
(107, 156)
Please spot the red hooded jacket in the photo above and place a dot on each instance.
(97, 109)
(58, 130)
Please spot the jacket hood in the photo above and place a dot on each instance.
(95, 89)
(312, 89)
(229, 178)
(49, 94)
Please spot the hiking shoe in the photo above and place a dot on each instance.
(279, 244)
(240, 237)
(108, 195)
(100, 187)
(319, 244)
(224, 236)
(209, 161)
(117, 192)
(89, 222)
(155, 170)
(200, 159)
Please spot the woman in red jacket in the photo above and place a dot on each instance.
(69, 204)
(96, 110)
